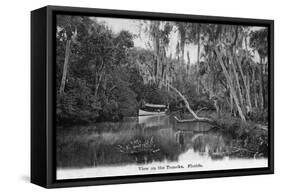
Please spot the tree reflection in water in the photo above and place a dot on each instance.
(134, 142)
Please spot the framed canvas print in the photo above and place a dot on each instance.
(125, 96)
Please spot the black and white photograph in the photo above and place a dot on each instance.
(142, 97)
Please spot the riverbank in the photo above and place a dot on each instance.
(250, 138)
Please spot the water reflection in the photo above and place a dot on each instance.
(137, 141)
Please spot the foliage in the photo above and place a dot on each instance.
(108, 78)
(97, 85)
(259, 41)
(77, 104)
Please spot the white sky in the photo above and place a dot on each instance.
(133, 26)
(118, 25)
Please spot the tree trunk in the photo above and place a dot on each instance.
(236, 78)
(232, 91)
(254, 88)
(157, 57)
(196, 118)
(263, 88)
(182, 55)
(65, 66)
(231, 103)
(198, 56)
(101, 73)
(248, 91)
(188, 63)
(247, 87)
(261, 84)
(156, 42)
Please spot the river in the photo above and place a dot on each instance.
(145, 145)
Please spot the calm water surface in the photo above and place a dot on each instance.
(128, 147)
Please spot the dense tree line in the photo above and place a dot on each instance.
(102, 76)
(226, 71)
(96, 77)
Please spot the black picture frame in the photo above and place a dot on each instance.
(43, 97)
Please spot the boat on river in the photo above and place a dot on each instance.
(153, 110)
